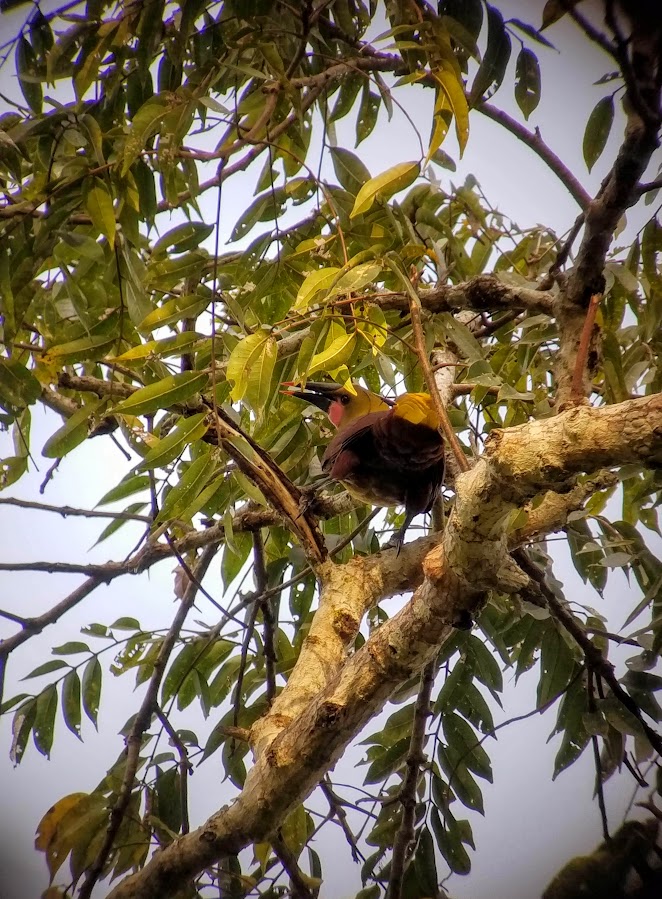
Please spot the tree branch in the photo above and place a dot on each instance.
(293, 751)
(534, 141)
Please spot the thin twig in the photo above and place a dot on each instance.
(248, 633)
(300, 889)
(65, 511)
(594, 659)
(534, 141)
(140, 725)
(599, 784)
(337, 809)
(261, 581)
(442, 414)
(407, 794)
(185, 766)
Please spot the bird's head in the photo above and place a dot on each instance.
(339, 403)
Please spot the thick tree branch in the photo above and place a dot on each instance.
(292, 754)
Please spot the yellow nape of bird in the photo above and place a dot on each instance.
(387, 453)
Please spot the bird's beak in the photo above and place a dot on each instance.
(319, 393)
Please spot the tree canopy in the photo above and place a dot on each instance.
(136, 314)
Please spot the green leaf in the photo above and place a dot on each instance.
(527, 81)
(163, 394)
(189, 486)
(462, 738)
(384, 185)
(349, 89)
(99, 207)
(71, 702)
(368, 112)
(182, 238)
(425, 864)
(350, 171)
(186, 306)
(320, 280)
(557, 665)
(168, 448)
(169, 346)
(249, 353)
(485, 665)
(493, 67)
(79, 350)
(22, 723)
(26, 69)
(459, 779)
(91, 688)
(531, 32)
(73, 432)
(146, 122)
(46, 668)
(18, 386)
(127, 487)
(71, 648)
(450, 843)
(597, 130)
(44, 723)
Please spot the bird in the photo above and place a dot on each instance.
(384, 452)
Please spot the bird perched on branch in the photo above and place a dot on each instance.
(387, 453)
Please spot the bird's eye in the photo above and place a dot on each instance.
(344, 400)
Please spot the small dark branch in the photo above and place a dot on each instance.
(274, 484)
(649, 115)
(564, 251)
(534, 141)
(109, 569)
(337, 809)
(598, 632)
(577, 392)
(595, 661)
(185, 766)
(592, 33)
(599, 783)
(633, 771)
(300, 889)
(97, 386)
(261, 584)
(648, 186)
(50, 474)
(141, 723)
(407, 795)
(65, 511)
(17, 619)
(191, 576)
(250, 627)
(445, 424)
(31, 626)
(58, 403)
(494, 324)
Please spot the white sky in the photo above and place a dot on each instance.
(531, 826)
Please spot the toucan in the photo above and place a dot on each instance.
(385, 452)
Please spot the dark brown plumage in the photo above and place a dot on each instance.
(393, 456)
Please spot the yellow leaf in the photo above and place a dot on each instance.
(48, 824)
(385, 185)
